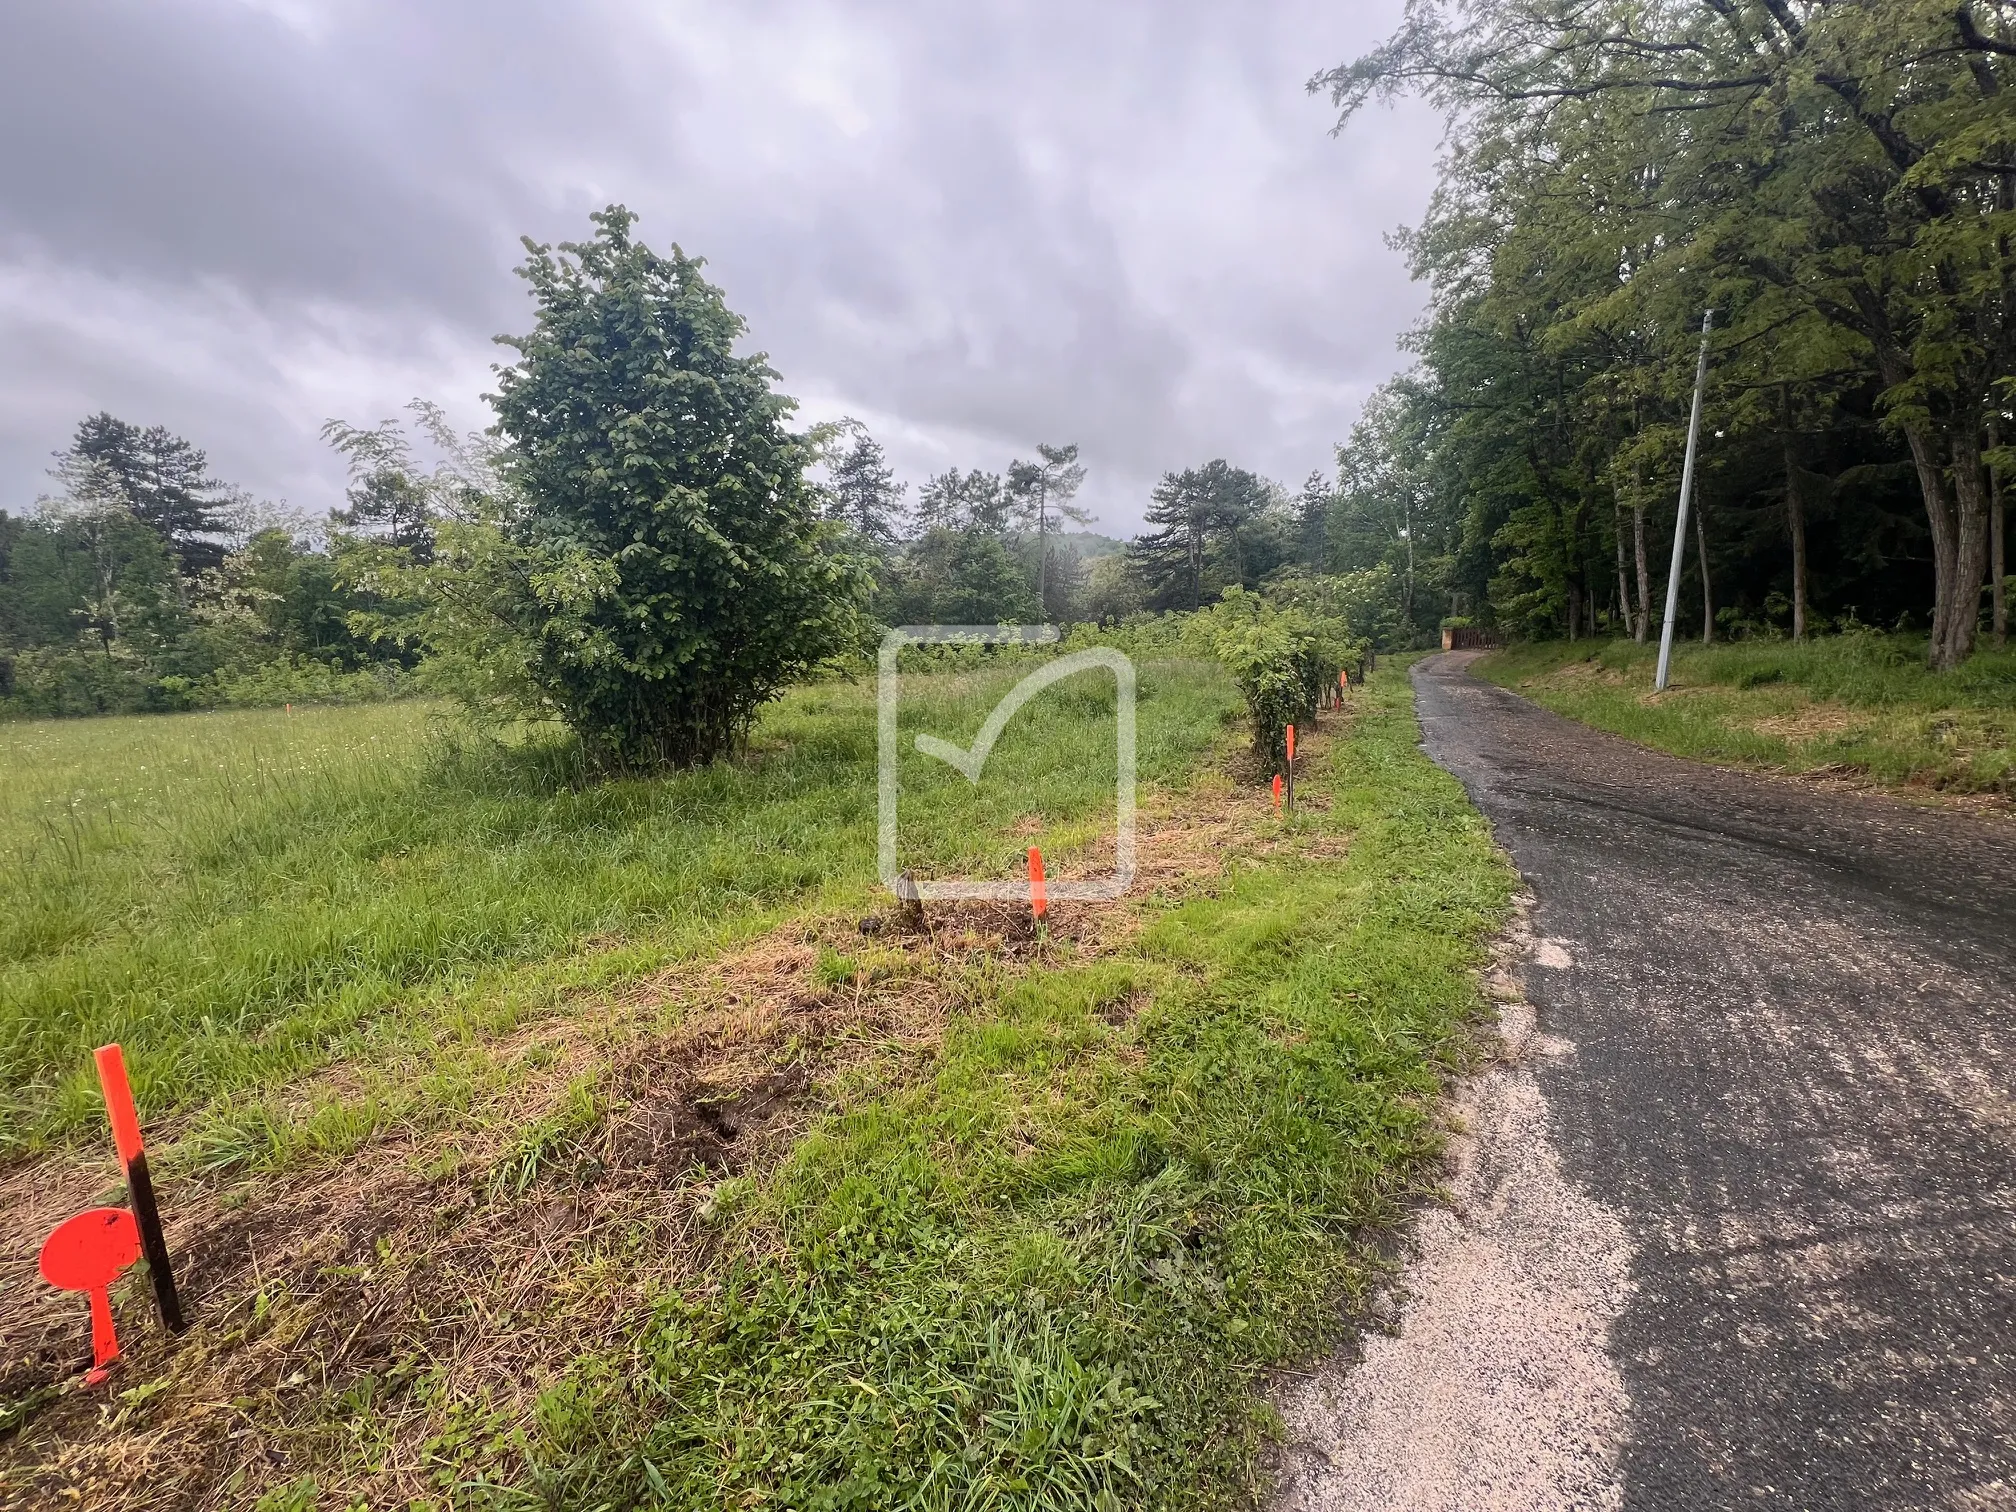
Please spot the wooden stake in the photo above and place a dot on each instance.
(1291, 769)
(1039, 898)
(139, 1184)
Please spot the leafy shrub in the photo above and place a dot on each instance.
(1283, 660)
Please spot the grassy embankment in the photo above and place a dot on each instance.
(1049, 1207)
(1859, 705)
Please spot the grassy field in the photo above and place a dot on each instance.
(239, 897)
(540, 1145)
(1857, 705)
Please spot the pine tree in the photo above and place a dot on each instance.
(163, 480)
(973, 501)
(1042, 489)
(862, 491)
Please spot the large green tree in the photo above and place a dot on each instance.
(1219, 526)
(156, 476)
(675, 572)
(861, 488)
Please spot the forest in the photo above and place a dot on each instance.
(1836, 184)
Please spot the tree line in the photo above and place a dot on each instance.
(1836, 181)
(643, 547)
(146, 583)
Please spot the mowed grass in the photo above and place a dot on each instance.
(1051, 1273)
(1860, 704)
(240, 898)
(1040, 1257)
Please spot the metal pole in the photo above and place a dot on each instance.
(1686, 497)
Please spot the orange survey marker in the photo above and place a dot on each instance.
(86, 1254)
(1039, 897)
(139, 1184)
(1277, 790)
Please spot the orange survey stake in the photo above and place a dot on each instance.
(119, 1103)
(1291, 743)
(1039, 897)
(146, 1215)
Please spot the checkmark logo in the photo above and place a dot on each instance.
(971, 761)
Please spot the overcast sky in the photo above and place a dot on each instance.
(975, 224)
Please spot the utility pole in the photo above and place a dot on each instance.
(1686, 497)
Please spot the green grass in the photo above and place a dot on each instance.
(1042, 1263)
(1050, 1273)
(1861, 704)
(240, 898)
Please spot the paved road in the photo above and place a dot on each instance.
(1793, 1015)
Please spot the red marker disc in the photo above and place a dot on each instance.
(90, 1250)
(86, 1254)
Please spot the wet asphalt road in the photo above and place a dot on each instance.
(1794, 1020)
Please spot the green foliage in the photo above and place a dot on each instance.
(157, 478)
(122, 595)
(1221, 526)
(1283, 658)
(1832, 179)
(861, 490)
(657, 570)
(962, 577)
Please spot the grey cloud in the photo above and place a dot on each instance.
(977, 226)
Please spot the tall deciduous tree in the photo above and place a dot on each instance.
(676, 574)
(1848, 159)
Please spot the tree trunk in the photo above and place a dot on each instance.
(1998, 561)
(1644, 565)
(1574, 609)
(1042, 555)
(1939, 515)
(1795, 516)
(1970, 548)
(1707, 588)
(1623, 588)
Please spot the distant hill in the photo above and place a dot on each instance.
(1089, 546)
